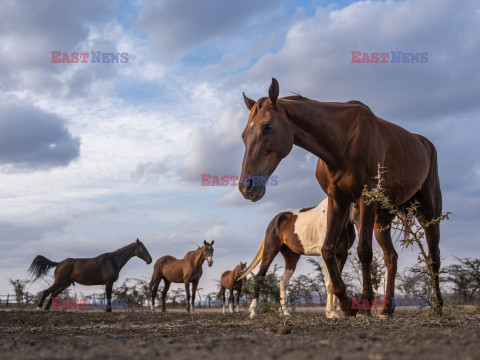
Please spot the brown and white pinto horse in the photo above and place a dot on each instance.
(350, 142)
(230, 280)
(301, 232)
(187, 270)
(101, 270)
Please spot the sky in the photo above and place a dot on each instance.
(96, 155)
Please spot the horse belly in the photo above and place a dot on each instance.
(174, 274)
(90, 273)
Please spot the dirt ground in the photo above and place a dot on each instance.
(209, 334)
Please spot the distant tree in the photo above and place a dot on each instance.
(465, 277)
(177, 294)
(377, 269)
(19, 289)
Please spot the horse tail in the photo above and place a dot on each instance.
(255, 261)
(220, 293)
(40, 266)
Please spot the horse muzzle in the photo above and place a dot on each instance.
(252, 192)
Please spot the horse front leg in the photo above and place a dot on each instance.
(230, 300)
(187, 291)
(239, 291)
(338, 210)
(384, 239)
(364, 251)
(194, 290)
(108, 289)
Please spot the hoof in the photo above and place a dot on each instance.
(253, 316)
(364, 314)
(108, 310)
(350, 312)
(38, 309)
(385, 316)
(333, 315)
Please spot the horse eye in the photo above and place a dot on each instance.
(267, 128)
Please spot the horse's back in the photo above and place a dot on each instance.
(164, 260)
(224, 278)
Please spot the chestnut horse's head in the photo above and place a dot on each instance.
(268, 138)
(208, 251)
(142, 252)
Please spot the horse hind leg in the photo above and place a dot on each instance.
(45, 295)
(59, 288)
(155, 283)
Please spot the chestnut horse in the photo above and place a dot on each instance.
(350, 142)
(301, 232)
(230, 280)
(101, 270)
(187, 270)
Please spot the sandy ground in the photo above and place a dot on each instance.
(209, 334)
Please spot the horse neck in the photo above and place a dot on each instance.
(121, 256)
(197, 258)
(318, 128)
(235, 272)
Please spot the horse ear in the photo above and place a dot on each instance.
(248, 102)
(212, 242)
(204, 242)
(273, 91)
(138, 241)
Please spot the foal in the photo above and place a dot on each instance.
(101, 270)
(301, 232)
(230, 280)
(187, 270)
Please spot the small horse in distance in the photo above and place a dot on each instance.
(187, 270)
(101, 270)
(230, 280)
(301, 232)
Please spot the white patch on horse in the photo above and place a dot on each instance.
(251, 124)
(311, 228)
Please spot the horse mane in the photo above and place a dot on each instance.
(356, 102)
(190, 253)
(126, 247)
(296, 96)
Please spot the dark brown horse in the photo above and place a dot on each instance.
(301, 232)
(350, 142)
(101, 270)
(230, 280)
(187, 270)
